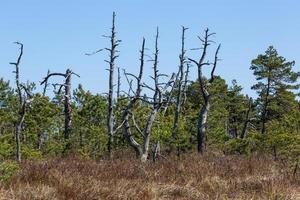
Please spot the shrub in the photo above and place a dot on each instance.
(8, 170)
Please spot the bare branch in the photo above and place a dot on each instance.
(94, 52)
(215, 64)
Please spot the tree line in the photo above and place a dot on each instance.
(173, 114)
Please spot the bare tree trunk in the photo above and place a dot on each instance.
(133, 143)
(201, 133)
(147, 133)
(179, 86)
(22, 104)
(67, 105)
(67, 98)
(128, 111)
(157, 104)
(201, 130)
(184, 89)
(110, 115)
(19, 130)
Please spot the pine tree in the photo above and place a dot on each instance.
(273, 72)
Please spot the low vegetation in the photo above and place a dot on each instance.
(211, 176)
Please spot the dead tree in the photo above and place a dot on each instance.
(156, 104)
(179, 85)
(66, 98)
(184, 90)
(158, 100)
(112, 57)
(23, 95)
(204, 86)
(114, 43)
(133, 100)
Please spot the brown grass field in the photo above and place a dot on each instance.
(212, 176)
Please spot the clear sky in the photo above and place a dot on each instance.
(57, 33)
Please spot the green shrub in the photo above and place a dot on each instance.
(8, 170)
(6, 150)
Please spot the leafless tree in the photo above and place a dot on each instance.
(66, 98)
(114, 43)
(204, 86)
(158, 99)
(156, 103)
(179, 85)
(112, 57)
(133, 100)
(23, 95)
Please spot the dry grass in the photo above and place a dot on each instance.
(191, 177)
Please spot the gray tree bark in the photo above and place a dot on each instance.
(67, 98)
(112, 57)
(128, 111)
(179, 83)
(156, 104)
(22, 96)
(204, 85)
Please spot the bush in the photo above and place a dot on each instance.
(8, 170)
(252, 143)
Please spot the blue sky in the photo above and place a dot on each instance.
(57, 33)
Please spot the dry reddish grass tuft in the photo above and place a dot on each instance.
(192, 177)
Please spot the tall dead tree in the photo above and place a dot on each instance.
(114, 43)
(156, 104)
(204, 86)
(66, 98)
(23, 95)
(133, 100)
(112, 57)
(179, 85)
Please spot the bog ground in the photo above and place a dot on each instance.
(212, 176)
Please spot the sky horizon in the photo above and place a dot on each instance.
(57, 34)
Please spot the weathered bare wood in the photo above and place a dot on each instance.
(22, 103)
(127, 112)
(203, 114)
(180, 83)
(67, 98)
(158, 101)
(112, 57)
(119, 84)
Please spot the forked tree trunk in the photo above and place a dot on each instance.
(204, 85)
